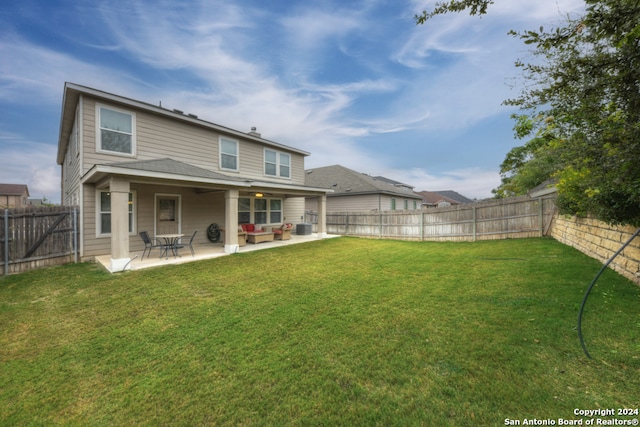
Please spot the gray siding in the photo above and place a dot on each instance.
(198, 212)
(160, 137)
(71, 170)
(362, 202)
(294, 210)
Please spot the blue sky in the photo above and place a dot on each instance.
(355, 83)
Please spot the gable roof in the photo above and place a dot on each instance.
(395, 183)
(435, 197)
(171, 166)
(175, 171)
(449, 194)
(344, 181)
(13, 189)
(72, 93)
(161, 169)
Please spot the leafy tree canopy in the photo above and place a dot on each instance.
(581, 104)
(475, 7)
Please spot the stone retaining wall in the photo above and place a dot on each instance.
(600, 241)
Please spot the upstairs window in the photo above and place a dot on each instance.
(277, 164)
(116, 131)
(228, 154)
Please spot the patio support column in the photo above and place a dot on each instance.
(119, 190)
(322, 216)
(231, 222)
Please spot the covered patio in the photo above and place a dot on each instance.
(202, 251)
(169, 198)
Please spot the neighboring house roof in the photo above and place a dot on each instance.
(395, 183)
(13, 189)
(449, 194)
(73, 91)
(344, 181)
(433, 199)
(544, 189)
(437, 197)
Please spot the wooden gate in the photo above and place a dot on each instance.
(38, 237)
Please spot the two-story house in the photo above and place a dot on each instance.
(356, 191)
(132, 166)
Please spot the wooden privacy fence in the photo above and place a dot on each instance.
(38, 237)
(515, 217)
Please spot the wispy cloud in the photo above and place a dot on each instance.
(36, 169)
(323, 77)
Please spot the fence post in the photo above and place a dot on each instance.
(475, 224)
(421, 226)
(6, 242)
(346, 226)
(541, 216)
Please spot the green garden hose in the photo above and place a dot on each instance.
(593, 282)
(213, 233)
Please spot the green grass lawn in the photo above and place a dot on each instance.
(336, 332)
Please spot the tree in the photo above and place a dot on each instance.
(582, 100)
(475, 7)
(531, 164)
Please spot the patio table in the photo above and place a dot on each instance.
(170, 242)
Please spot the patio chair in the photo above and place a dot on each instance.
(190, 244)
(149, 244)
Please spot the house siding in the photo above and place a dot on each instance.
(71, 170)
(364, 202)
(198, 212)
(14, 201)
(161, 137)
(293, 210)
(90, 244)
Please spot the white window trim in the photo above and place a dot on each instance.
(134, 221)
(252, 210)
(278, 153)
(235, 141)
(270, 211)
(99, 136)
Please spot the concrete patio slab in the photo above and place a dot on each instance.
(202, 251)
